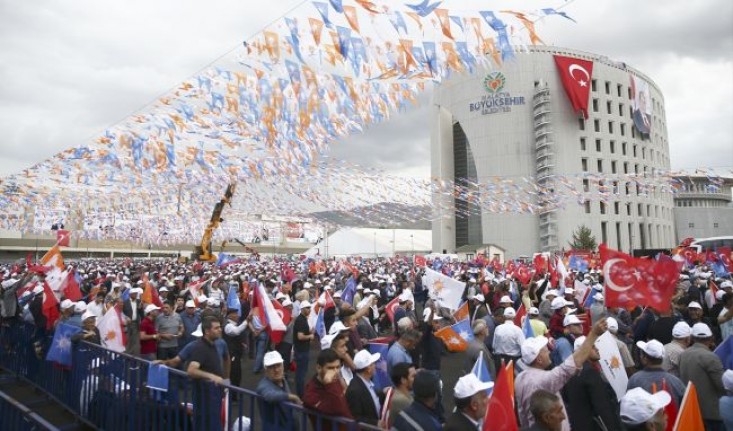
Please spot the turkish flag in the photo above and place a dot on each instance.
(50, 306)
(523, 274)
(390, 307)
(420, 260)
(72, 290)
(630, 281)
(500, 414)
(724, 257)
(575, 75)
(282, 311)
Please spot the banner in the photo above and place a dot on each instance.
(445, 291)
(575, 75)
(641, 104)
(611, 363)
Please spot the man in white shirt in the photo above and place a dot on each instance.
(96, 307)
(508, 338)
(235, 338)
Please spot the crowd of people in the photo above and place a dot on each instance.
(193, 324)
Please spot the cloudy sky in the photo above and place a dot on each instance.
(70, 69)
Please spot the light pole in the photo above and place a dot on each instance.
(375, 244)
(412, 240)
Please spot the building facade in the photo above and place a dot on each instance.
(516, 122)
(703, 208)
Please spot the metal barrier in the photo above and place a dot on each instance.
(17, 417)
(109, 390)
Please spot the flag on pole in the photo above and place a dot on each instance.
(110, 330)
(386, 407)
(456, 336)
(267, 314)
(444, 290)
(233, 300)
(527, 328)
(500, 414)
(55, 268)
(481, 371)
(60, 350)
(670, 409)
(349, 291)
(63, 237)
(320, 324)
(381, 377)
(50, 306)
(725, 353)
(689, 416)
(71, 288)
(462, 312)
(390, 307)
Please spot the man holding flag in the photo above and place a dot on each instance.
(472, 399)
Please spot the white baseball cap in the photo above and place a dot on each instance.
(719, 295)
(364, 359)
(67, 303)
(272, 358)
(598, 296)
(612, 324)
(558, 303)
(337, 294)
(726, 284)
(469, 385)
(701, 330)
(533, 311)
(638, 405)
(681, 330)
(199, 332)
(287, 303)
(305, 304)
(552, 292)
(569, 291)
(337, 327)
(728, 380)
(150, 308)
(37, 290)
(509, 312)
(653, 348)
(327, 340)
(694, 304)
(190, 304)
(504, 299)
(136, 290)
(571, 319)
(86, 315)
(80, 307)
(164, 289)
(578, 342)
(532, 347)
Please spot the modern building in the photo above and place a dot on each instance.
(517, 122)
(702, 207)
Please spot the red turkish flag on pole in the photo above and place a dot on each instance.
(389, 309)
(575, 75)
(62, 237)
(629, 281)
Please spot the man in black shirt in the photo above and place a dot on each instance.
(205, 360)
(302, 336)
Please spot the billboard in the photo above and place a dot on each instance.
(641, 104)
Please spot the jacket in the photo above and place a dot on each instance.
(417, 417)
(458, 422)
(361, 402)
(275, 415)
(326, 399)
(703, 367)
(590, 400)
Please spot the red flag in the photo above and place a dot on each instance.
(420, 260)
(283, 312)
(72, 291)
(724, 257)
(540, 264)
(670, 409)
(500, 414)
(389, 309)
(575, 75)
(631, 281)
(50, 307)
(524, 275)
(713, 291)
(62, 237)
(521, 312)
(462, 312)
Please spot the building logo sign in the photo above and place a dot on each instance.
(496, 100)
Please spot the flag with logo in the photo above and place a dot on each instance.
(63, 237)
(110, 330)
(725, 353)
(54, 268)
(481, 370)
(634, 281)
(60, 350)
(462, 312)
(611, 363)
(456, 336)
(349, 291)
(445, 291)
(50, 306)
(381, 377)
(500, 415)
(575, 75)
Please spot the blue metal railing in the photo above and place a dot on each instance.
(109, 390)
(17, 417)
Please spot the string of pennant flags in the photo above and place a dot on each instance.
(265, 115)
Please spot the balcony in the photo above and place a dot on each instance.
(542, 132)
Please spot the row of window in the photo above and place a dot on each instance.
(653, 154)
(614, 167)
(692, 225)
(656, 105)
(595, 106)
(644, 236)
(651, 210)
(699, 188)
(700, 203)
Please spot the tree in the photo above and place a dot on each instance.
(583, 239)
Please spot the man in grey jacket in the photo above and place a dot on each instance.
(274, 390)
(8, 297)
(702, 367)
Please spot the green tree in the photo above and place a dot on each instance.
(583, 239)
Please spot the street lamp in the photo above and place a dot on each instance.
(375, 244)
(412, 240)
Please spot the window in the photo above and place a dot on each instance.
(597, 125)
(586, 185)
(643, 153)
(634, 150)
(584, 164)
(581, 124)
(629, 93)
(628, 208)
(636, 169)
(582, 144)
(612, 146)
(639, 210)
(593, 85)
(598, 145)
(603, 207)
(600, 166)
(610, 127)
(613, 166)
(604, 234)
(619, 89)
(690, 225)
(623, 144)
(595, 105)
(609, 108)
(616, 207)
(586, 204)
(621, 109)
(608, 87)
(715, 225)
(627, 190)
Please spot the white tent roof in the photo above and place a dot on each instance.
(371, 242)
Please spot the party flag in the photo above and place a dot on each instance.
(689, 416)
(381, 377)
(233, 300)
(110, 330)
(60, 350)
(481, 371)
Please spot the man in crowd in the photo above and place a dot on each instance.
(148, 334)
(422, 413)
(206, 364)
(191, 319)
(508, 339)
(325, 392)
(235, 338)
(274, 390)
(642, 411)
(547, 411)
(132, 308)
(170, 329)
(673, 350)
(302, 337)
(403, 376)
(364, 401)
(400, 349)
(477, 347)
(699, 365)
(536, 357)
(472, 399)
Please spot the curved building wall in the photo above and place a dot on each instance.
(535, 133)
